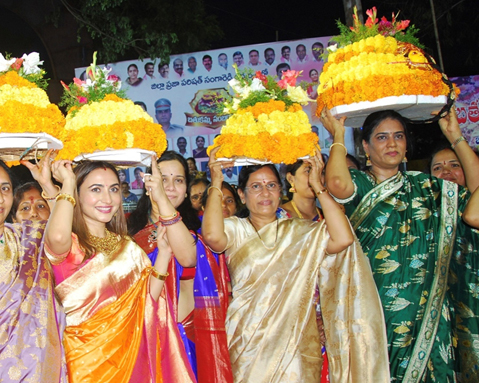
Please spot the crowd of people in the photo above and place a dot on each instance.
(352, 276)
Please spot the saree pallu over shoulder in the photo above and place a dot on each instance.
(112, 333)
(406, 226)
(271, 324)
(31, 321)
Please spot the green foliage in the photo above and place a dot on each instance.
(150, 28)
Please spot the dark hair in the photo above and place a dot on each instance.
(282, 66)
(132, 65)
(246, 171)
(149, 63)
(18, 196)
(253, 50)
(137, 168)
(443, 145)
(138, 219)
(142, 104)
(197, 181)
(125, 183)
(354, 160)
(243, 178)
(315, 70)
(117, 224)
(237, 53)
(196, 139)
(207, 57)
(13, 180)
(225, 185)
(291, 168)
(300, 45)
(194, 161)
(161, 65)
(374, 119)
(285, 47)
(268, 49)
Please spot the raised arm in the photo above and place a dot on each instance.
(157, 280)
(58, 233)
(337, 224)
(337, 178)
(213, 228)
(41, 173)
(179, 237)
(469, 161)
(471, 213)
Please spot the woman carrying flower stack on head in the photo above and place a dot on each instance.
(197, 285)
(274, 265)
(409, 226)
(105, 282)
(31, 319)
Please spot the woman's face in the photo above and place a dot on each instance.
(100, 197)
(196, 194)
(32, 207)
(191, 166)
(122, 176)
(6, 195)
(387, 144)
(314, 76)
(446, 165)
(138, 176)
(133, 73)
(260, 200)
(229, 203)
(200, 142)
(301, 182)
(174, 181)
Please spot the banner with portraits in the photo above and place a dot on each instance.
(467, 107)
(183, 95)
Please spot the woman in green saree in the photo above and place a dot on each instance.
(407, 224)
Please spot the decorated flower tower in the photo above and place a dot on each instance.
(381, 65)
(29, 123)
(102, 124)
(267, 122)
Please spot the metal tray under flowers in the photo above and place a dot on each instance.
(121, 158)
(26, 146)
(414, 107)
(246, 161)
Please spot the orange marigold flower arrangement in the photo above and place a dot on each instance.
(101, 118)
(24, 105)
(267, 121)
(378, 59)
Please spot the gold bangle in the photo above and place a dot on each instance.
(167, 217)
(214, 187)
(66, 197)
(44, 196)
(340, 144)
(155, 273)
(459, 140)
(321, 192)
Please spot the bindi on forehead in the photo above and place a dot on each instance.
(32, 200)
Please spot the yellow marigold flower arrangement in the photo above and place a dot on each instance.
(377, 60)
(24, 105)
(267, 122)
(100, 118)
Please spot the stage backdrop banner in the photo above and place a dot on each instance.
(467, 107)
(183, 95)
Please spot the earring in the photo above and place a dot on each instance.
(242, 201)
(368, 161)
(186, 195)
(404, 160)
(292, 189)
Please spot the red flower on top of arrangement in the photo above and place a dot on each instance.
(390, 28)
(262, 77)
(372, 19)
(289, 78)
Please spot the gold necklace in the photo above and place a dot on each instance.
(107, 244)
(293, 204)
(261, 239)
